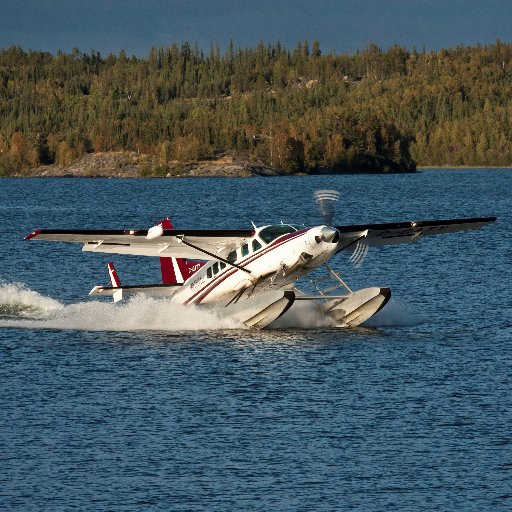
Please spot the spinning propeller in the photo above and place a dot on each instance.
(359, 254)
(327, 201)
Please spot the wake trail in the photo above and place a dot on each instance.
(23, 308)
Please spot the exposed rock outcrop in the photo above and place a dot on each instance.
(130, 164)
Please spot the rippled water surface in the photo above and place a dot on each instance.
(146, 405)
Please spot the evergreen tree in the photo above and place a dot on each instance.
(300, 110)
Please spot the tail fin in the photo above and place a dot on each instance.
(176, 270)
(114, 278)
(166, 264)
(115, 281)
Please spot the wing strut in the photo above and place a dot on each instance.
(215, 256)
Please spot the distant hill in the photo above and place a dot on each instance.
(294, 110)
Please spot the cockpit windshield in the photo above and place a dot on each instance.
(272, 232)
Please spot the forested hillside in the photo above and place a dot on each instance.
(297, 110)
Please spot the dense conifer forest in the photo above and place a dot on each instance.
(299, 110)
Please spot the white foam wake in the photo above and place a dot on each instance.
(18, 301)
(24, 308)
(303, 315)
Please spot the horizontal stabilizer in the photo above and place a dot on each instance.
(151, 290)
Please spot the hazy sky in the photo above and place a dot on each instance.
(342, 25)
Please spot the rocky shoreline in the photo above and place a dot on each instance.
(130, 164)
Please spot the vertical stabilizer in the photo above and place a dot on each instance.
(166, 264)
(114, 278)
(115, 282)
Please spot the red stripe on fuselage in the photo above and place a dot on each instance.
(207, 289)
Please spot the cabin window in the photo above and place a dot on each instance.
(270, 233)
(232, 256)
(209, 272)
(222, 265)
(244, 250)
(256, 246)
(215, 267)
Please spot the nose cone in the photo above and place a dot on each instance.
(329, 234)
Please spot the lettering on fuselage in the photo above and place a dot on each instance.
(196, 282)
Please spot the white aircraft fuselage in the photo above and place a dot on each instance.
(282, 260)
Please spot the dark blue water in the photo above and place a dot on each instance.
(145, 406)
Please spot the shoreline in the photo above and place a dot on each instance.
(458, 167)
(245, 173)
(129, 164)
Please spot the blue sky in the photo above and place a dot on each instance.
(341, 25)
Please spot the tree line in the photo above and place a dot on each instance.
(297, 110)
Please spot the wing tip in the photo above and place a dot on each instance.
(32, 234)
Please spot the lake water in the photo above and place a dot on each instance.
(147, 406)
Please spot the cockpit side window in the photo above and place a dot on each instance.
(256, 246)
(270, 233)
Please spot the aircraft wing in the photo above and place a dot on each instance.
(193, 244)
(377, 235)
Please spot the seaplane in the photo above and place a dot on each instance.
(253, 275)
